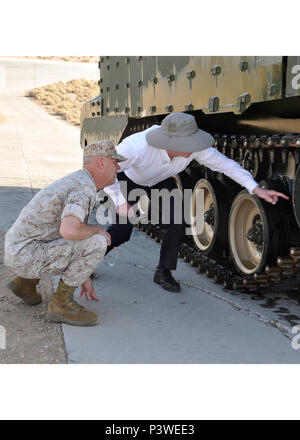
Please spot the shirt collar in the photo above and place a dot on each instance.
(165, 158)
(90, 176)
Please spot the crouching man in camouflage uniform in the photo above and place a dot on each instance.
(51, 236)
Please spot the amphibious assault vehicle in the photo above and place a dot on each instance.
(252, 107)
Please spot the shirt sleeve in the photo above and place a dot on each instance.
(128, 150)
(77, 205)
(216, 161)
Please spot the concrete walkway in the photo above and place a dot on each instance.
(141, 323)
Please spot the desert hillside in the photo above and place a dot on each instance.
(2, 118)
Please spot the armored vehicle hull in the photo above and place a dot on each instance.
(252, 107)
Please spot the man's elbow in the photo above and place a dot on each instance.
(65, 233)
(68, 231)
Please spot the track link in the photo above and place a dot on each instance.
(223, 273)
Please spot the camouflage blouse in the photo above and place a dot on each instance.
(73, 195)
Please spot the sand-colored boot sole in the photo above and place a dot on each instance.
(30, 299)
(53, 317)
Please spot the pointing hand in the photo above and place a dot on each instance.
(269, 195)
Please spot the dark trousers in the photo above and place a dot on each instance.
(173, 233)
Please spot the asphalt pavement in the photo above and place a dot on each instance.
(139, 322)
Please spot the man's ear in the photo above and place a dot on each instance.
(100, 162)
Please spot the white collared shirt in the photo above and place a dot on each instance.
(147, 165)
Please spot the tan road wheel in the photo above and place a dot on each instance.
(178, 183)
(144, 202)
(143, 206)
(251, 163)
(248, 233)
(184, 182)
(285, 169)
(296, 196)
(258, 166)
(212, 238)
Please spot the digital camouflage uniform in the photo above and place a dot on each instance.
(34, 246)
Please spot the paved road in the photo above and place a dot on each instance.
(35, 148)
(25, 74)
(140, 323)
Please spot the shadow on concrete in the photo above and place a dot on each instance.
(12, 200)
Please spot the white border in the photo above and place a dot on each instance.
(173, 27)
(137, 27)
(176, 392)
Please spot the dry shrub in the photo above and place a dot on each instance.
(2, 118)
(73, 59)
(66, 99)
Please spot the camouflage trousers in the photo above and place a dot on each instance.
(75, 261)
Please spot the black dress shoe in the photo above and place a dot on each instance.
(164, 278)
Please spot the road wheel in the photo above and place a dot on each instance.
(248, 233)
(211, 239)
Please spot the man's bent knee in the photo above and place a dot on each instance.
(95, 244)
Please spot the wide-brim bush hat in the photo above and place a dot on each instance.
(179, 132)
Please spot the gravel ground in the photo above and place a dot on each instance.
(30, 339)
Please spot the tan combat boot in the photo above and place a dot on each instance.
(63, 308)
(26, 289)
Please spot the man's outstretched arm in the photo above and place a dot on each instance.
(217, 161)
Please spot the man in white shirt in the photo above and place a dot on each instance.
(153, 157)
